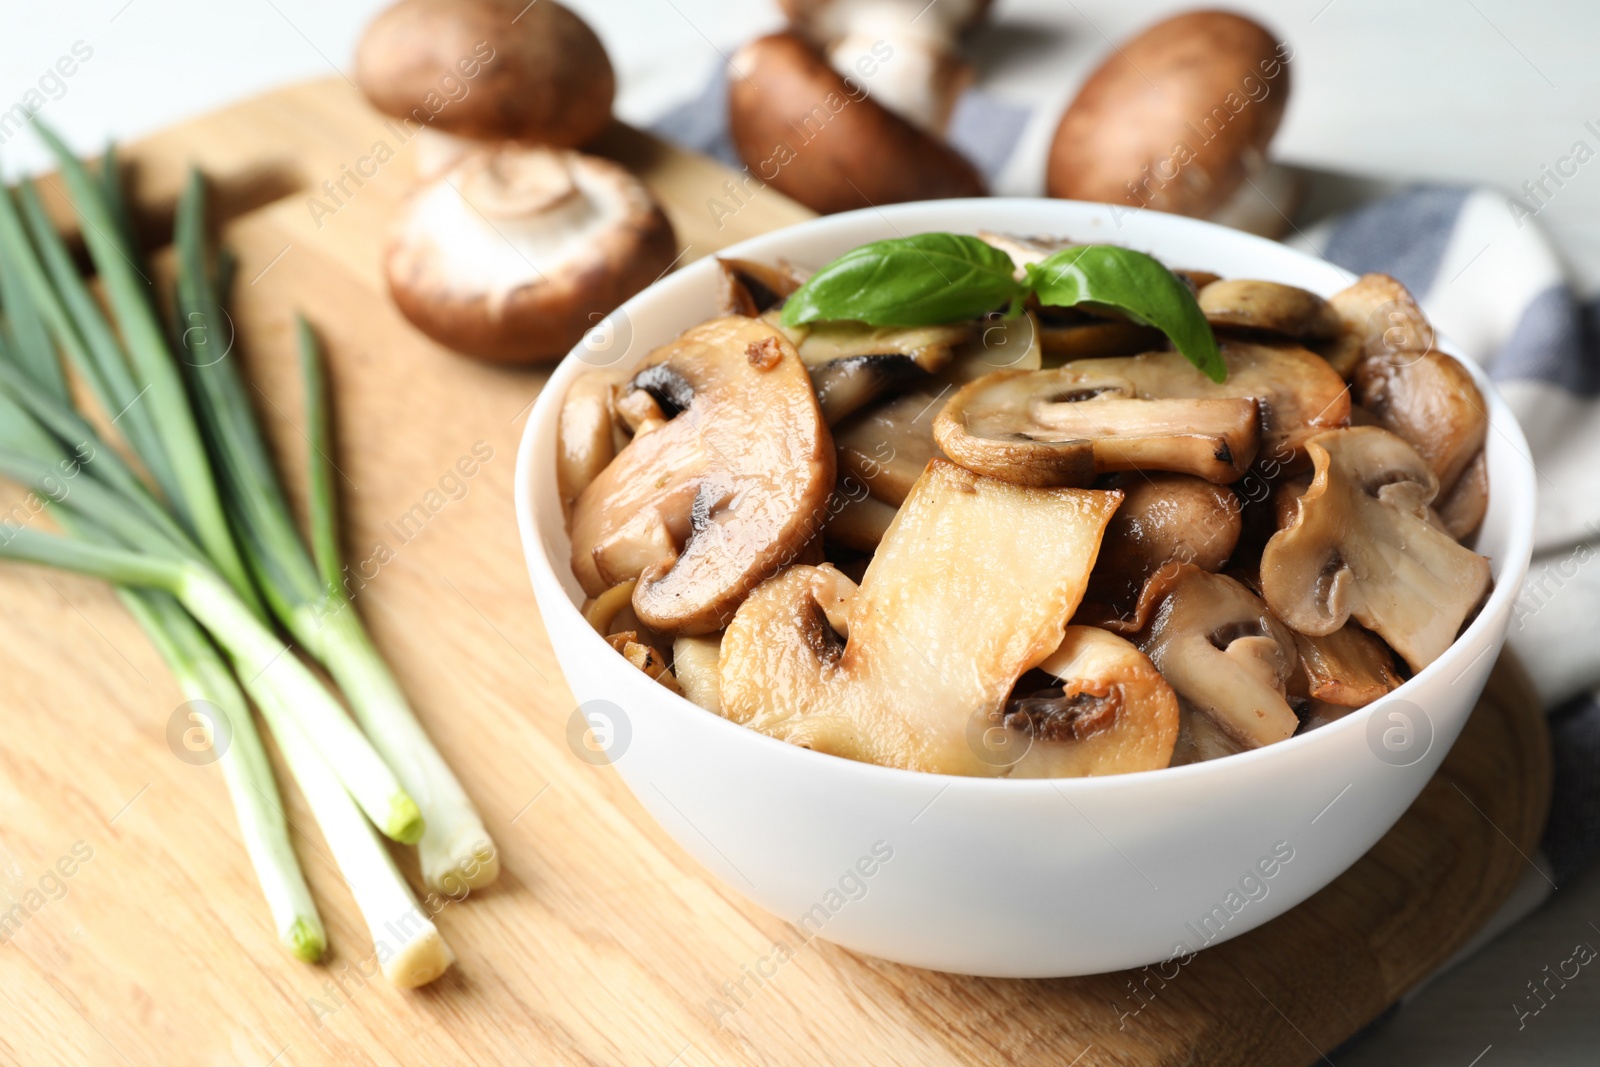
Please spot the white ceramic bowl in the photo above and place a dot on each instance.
(996, 877)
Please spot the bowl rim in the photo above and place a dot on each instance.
(1519, 499)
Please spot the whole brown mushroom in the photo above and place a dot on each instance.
(1179, 119)
(822, 139)
(471, 71)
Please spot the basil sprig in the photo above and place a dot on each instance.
(935, 278)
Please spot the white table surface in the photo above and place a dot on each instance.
(1480, 92)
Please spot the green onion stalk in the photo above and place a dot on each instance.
(304, 589)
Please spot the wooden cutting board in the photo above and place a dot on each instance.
(603, 943)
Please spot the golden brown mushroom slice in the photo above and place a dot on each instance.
(853, 364)
(730, 488)
(1164, 519)
(1361, 546)
(1269, 307)
(588, 434)
(1379, 317)
(859, 522)
(1105, 710)
(1223, 651)
(514, 253)
(972, 586)
(694, 664)
(748, 288)
(888, 445)
(1430, 400)
(1349, 667)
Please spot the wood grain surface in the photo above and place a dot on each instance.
(603, 943)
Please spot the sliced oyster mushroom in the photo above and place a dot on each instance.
(888, 445)
(1361, 547)
(732, 486)
(1248, 304)
(1429, 400)
(1105, 710)
(1223, 651)
(747, 288)
(972, 563)
(1349, 667)
(694, 664)
(1164, 519)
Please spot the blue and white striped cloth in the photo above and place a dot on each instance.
(1490, 280)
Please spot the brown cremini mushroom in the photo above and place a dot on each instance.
(820, 138)
(470, 71)
(514, 253)
(970, 563)
(1223, 651)
(733, 486)
(1179, 119)
(1361, 546)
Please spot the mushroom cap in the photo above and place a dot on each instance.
(1382, 317)
(1431, 401)
(1361, 546)
(730, 488)
(1212, 82)
(1220, 647)
(975, 576)
(515, 253)
(536, 74)
(805, 131)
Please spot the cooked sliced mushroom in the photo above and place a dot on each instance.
(514, 254)
(1361, 547)
(1065, 338)
(734, 485)
(888, 446)
(745, 287)
(1462, 509)
(1380, 317)
(859, 522)
(694, 664)
(1429, 400)
(1223, 651)
(1148, 412)
(587, 435)
(972, 563)
(1105, 710)
(1200, 738)
(1063, 427)
(1248, 304)
(1349, 667)
(853, 364)
(1164, 519)
(644, 657)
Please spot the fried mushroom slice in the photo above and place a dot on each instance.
(853, 364)
(1461, 510)
(1379, 317)
(1106, 711)
(587, 435)
(732, 486)
(1349, 667)
(644, 657)
(888, 445)
(748, 288)
(1361, 546)
(1223, 651)
(1249, 304)
(859, 522)
(973, 564)
(1430, 400)
(1164, 519)
(694, 664)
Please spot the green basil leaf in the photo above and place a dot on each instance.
(1135, 284)
(925, 280)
